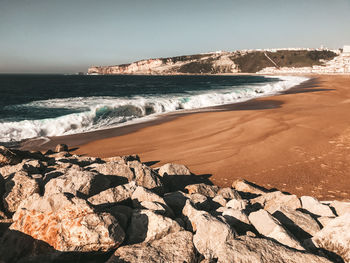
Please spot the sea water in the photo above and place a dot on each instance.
(51, 105)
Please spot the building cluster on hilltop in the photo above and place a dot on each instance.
(340, 64)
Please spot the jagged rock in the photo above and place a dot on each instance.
(247, 249)
(210, 232)
(274, 200)
(237, 204)
(29, 166)
(200, 201)
(324, 220)
(114, 169)
(67, 224)
(248, 187)
(341, 208)
(176, 201)
(271, 227)
(146, 177)
(77, 182)
(142, 194)
(174, 169)
(175, 247)
(301, 225)
(147, 226)
(114, 195)
(123, 159)
(17, 189)
(156, 207)
(313, 206)
(229, 193)
(8, 157)
(61, 148)
(335, 237)
(203, 189)
(219, 199)
(237, 220)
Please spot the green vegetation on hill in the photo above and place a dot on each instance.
(255, 61)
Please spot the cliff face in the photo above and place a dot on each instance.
(221, 62)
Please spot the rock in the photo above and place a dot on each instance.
(219, 199)
(147, 226)
(237, 204)
(114, 195)
(61, 148)
(237, 220)
(203, 189)
(301, 225)
(156, 207)
(229, 193)
(248, 187)
(174, 169)
(176, 201)
(258, 250)
(29, 166)
(175, 247)
(313, 206)
(77, 182)
(324, 220)
(20, 187)
(335, 237)
(67, 224)
(119, 173)
(123, 159)
(271, 227)
(210, 232)
(274, 200)
(146, 177)
(142, 194)
(200, 202)
(341, 208)
(8, 157)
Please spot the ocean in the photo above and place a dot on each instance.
(34, 106)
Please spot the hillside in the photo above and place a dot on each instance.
(221, 62)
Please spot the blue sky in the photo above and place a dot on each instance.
(66, 36)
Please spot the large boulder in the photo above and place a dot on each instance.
(341, 208)
(8, 157)
(211, 234)
(175, 247)
(268, 226)
(20, 187)
(301, 225)
(313, 206)
(203, 189)
(174, 169)
(78, 182)
(229, 193)
(274, 200)
(142, 194)
(114, 195)
(247, 187)
(258, 250)
(146, 225)
(118, 172)
(146, 176)
(67, 224)
(176, 201)
(335, 237)
(237, 220)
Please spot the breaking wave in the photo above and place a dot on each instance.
(96, 113)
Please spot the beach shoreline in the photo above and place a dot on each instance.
(298, 141)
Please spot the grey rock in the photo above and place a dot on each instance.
(20, 187)
(174, 169)
(175, 247)
(146, 226)
(146, 176)
(274, 200)
(341, 208)
(8, 157)
(248, 187)
(114, 169)
(229, 193)
(113, 195)
(61, 148)
(203, 189)
(237, 204)
(312, 205)
(268, 226)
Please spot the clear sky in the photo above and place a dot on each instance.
(71, 35)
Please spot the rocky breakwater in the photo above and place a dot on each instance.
(59, 207)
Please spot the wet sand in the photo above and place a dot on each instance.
(298, 141)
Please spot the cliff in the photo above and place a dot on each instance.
(250, 61)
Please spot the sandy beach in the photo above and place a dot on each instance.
(298, 141)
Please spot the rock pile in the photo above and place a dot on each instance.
(59, 207)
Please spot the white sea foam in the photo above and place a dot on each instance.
(102, 112)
